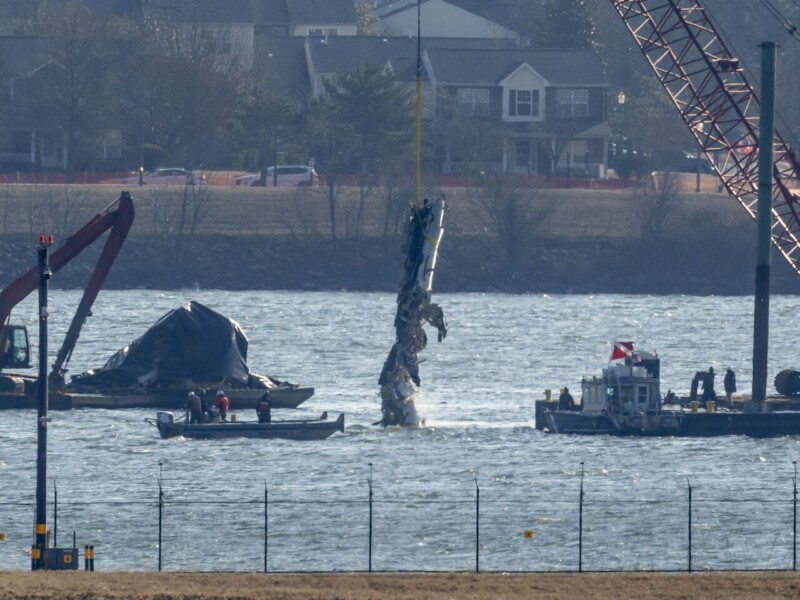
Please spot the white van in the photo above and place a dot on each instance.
(288, 175)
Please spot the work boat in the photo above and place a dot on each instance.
(300, 429)
(626, 400)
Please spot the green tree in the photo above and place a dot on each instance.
(78, 90)
(265, 121)
(331, 142)
(367, 20)
(566, 24)
(380, 112)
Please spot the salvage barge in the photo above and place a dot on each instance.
(625, 400)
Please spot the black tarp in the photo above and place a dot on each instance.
(191, 343)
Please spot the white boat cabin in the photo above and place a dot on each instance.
(623, 389)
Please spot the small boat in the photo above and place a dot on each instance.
(301, 429)
(626, 401)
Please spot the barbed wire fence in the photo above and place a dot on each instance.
(587, 529)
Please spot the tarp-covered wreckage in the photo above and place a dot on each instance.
(191, 345)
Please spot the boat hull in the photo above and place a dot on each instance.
(288, 430)
(671, 423)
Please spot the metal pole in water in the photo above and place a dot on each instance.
(38, 553)
(690, 524)
(370, 517)
(794, 518)
(764, 244)
(55, 515)
(160, 511)
(580, 525)
(477, 526)
(266, 525)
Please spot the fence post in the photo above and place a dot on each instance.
(580, 525)
(690, 523)
(266, 525)
(370, 518)
(794, 518)
(477, 526)
(160, 511)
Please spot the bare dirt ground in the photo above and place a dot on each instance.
(461, 586)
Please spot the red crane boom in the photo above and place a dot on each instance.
(719, 106)
(118, 218)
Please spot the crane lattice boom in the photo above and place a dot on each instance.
(708, 86)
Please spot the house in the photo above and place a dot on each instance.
(299, 66)
(222, 28)
(305, 17)
(546, 108)
(490, 19)
(25, 140)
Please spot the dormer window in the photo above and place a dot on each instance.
(523, 103)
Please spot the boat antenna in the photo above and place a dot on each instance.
(418, 200)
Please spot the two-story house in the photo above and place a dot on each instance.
(488, 19)
(547, 108)
(26, 140)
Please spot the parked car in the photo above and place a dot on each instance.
(288, 175)
(168, 177)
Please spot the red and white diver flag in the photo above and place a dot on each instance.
(622, 350)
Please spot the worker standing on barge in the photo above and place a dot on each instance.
(708, 386)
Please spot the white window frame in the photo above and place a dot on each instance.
(523, 104)
(573, 103)
(473, 102)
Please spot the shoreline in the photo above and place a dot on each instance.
(280, 239)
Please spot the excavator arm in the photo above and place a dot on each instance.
(118, 218)
(707, 85)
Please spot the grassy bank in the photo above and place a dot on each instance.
(406, 586)
(265, 238)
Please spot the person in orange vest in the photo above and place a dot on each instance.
(263, 409)
(222, 404)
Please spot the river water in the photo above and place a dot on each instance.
(479, 387)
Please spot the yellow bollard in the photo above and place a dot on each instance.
(233, 418)
(694, 405)
(548, 395)
(709, 406)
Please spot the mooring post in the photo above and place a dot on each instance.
(477, 526)
(160, 511)
(266, 525)
(794, 517)
(369, 481)
(580, 525)
(39, 550)
(766, 167)
(55, 515)
(690, 523)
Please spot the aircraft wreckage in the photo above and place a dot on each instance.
(399, 379)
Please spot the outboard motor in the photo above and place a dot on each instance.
(165, 418)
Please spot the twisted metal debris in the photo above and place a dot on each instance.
(399, 379)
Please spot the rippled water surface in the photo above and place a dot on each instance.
(478, 392)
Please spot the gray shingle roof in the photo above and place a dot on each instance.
(279, 63)
(203, 11)
(484, 67)
(502, 12)
(322, 11)
(341, 53)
